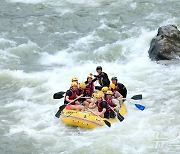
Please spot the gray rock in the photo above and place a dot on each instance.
(166, 45)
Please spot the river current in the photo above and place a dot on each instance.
(44, 43)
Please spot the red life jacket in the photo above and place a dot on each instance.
(100, 108)
(89, 88)
(109, 101)
(79, 92)
(73, 96)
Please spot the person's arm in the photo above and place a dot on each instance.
(104, 106)
(100, 75)
(93, 80)
(77, 97)
(92, 105)
(68, 100)
(105, 75)
(118, 95)
(68, 94)
(93, 87)
(125, 92)
(101, 114)
(123, 89)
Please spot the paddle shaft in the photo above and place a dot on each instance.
(135, 97)
(119, 116)
(105, 121)
(73, 101)
(62, 108)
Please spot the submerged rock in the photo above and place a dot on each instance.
(166, 45)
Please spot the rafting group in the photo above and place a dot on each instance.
(107, 97)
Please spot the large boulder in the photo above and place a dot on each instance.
(166, 45)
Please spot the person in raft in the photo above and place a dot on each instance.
(71, 98)
(74, 79)
(103, 107)
(81, 93)
(89, 90)
(116, 93)
(119, 87)
(108, 97)
(104, 90)
(102, 77)
(116, 96)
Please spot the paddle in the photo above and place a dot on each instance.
(62, 108)
(98, 87)
(59, 95)
(139, 106)
(137, 97)
(105, 121)
(64, 105)
(119, 116)
(57, 115)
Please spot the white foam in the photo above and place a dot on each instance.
(60, 58)
(85, 42)
(33, 108)
(60, 3)
(86, 2)
(27, 1)
(5, 43)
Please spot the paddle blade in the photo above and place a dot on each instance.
(60, 110)
(137, 97)
(58, 95)
(119, 116)
(98, 87)
(107, 123)
(57, 115)
(140, 107)
(62, 107)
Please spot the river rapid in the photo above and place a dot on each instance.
(44, 43)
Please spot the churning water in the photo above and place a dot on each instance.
(43, 43)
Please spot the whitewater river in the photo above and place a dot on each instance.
(43, 43)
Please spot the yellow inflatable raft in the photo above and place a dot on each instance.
(86, 119)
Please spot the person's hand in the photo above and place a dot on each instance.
(79, 96)
(97, 113)
(91, 104)
(116, 108)
(71, 101)
(77, 102)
